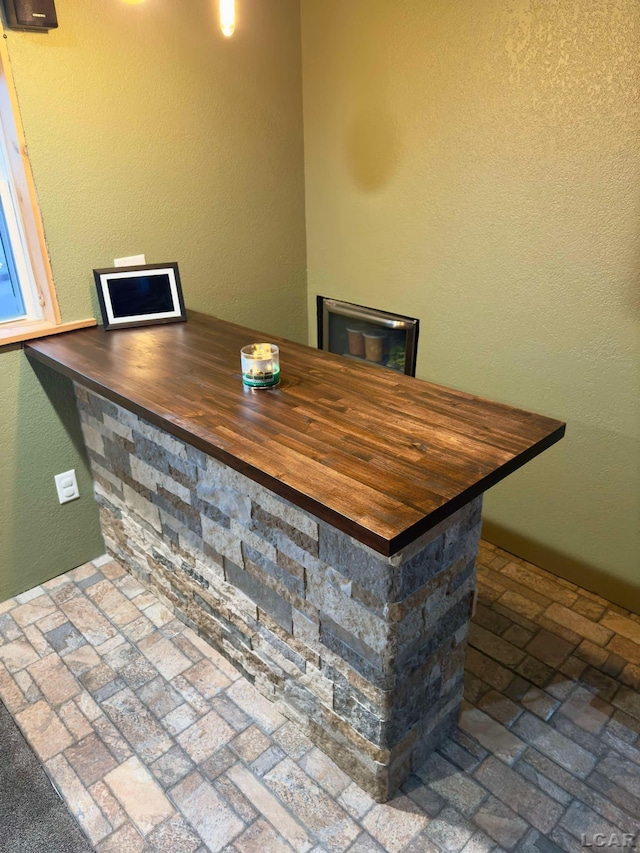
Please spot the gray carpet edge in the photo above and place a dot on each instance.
(33, 818)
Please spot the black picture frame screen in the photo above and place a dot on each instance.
(140, 295)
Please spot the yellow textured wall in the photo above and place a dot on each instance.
(148, 132)
(476, 164)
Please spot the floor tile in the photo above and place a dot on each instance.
(214, 821)
(202, 739)
(452, 784)
(158, 744)
(54, 679)
(10, 692)
(139, 629)
(501, 823)
(139, 795)
(112, 738)
(108, 805)
(424, 795)
(250, 744)
(179, 719)
(29, 595)
(159, 697)
(584, 824)
(113, 603)
(618, 624)
(272, 808)
(138, 673)
(500, 707)
(261, 837)
(158, 614)
(585, 607)
(221, 760)
(556, 792)
(555, 745)
(129, 586)
(491, 671)
(88, 620)
(525, 799)
(622, 772)
(90, 759)
(495, 647)
(586, 710)
(549, 648)
(207, 679)
(256, 706)
(81, 659)
(267, 760)
(64, 637)
(171, 767)
(164, 655)
(127, 839)
(235, 798)
(394, 824)
(355, 801)
(101, 682)
(312, 806)
(580, 624)
(81, 803)
(325, 772)
(479, 843)
(491, 734)
(123, 656)
(539, 703)
(230, 712)
(9, 630)
(18, 655)
(138, 725)
(450, 830)
(174, 836)
(37, 608)
(44, 730)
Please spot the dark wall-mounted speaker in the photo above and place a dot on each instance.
(31, 14)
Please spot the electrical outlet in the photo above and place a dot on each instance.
(131, 261)
(67, 486)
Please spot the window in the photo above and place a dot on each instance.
(28, 304)
(16, 278)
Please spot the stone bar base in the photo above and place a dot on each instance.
(365, 653)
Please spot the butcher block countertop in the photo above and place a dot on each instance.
(377, 454)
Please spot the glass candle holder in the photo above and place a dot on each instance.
(260, 365)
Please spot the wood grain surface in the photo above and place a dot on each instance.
(377, 454)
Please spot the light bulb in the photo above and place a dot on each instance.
(227, 17)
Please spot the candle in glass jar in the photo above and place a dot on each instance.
(260, 365)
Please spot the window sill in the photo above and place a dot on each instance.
(26, 331)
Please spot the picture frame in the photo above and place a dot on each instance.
(143, 295)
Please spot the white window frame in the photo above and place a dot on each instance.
(25, 225)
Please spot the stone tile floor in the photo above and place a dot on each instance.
(157, 744)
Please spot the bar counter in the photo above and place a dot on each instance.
(377, 454)
(321, 534)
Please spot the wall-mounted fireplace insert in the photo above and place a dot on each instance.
(366, 334)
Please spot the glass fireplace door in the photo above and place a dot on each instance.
(367, 334)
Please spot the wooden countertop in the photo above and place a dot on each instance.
(377, 454)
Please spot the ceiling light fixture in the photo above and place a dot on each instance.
(227, 17)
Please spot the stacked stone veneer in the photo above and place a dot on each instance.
(364, 653)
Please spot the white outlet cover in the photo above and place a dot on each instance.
(131, 261)
(67, 486)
